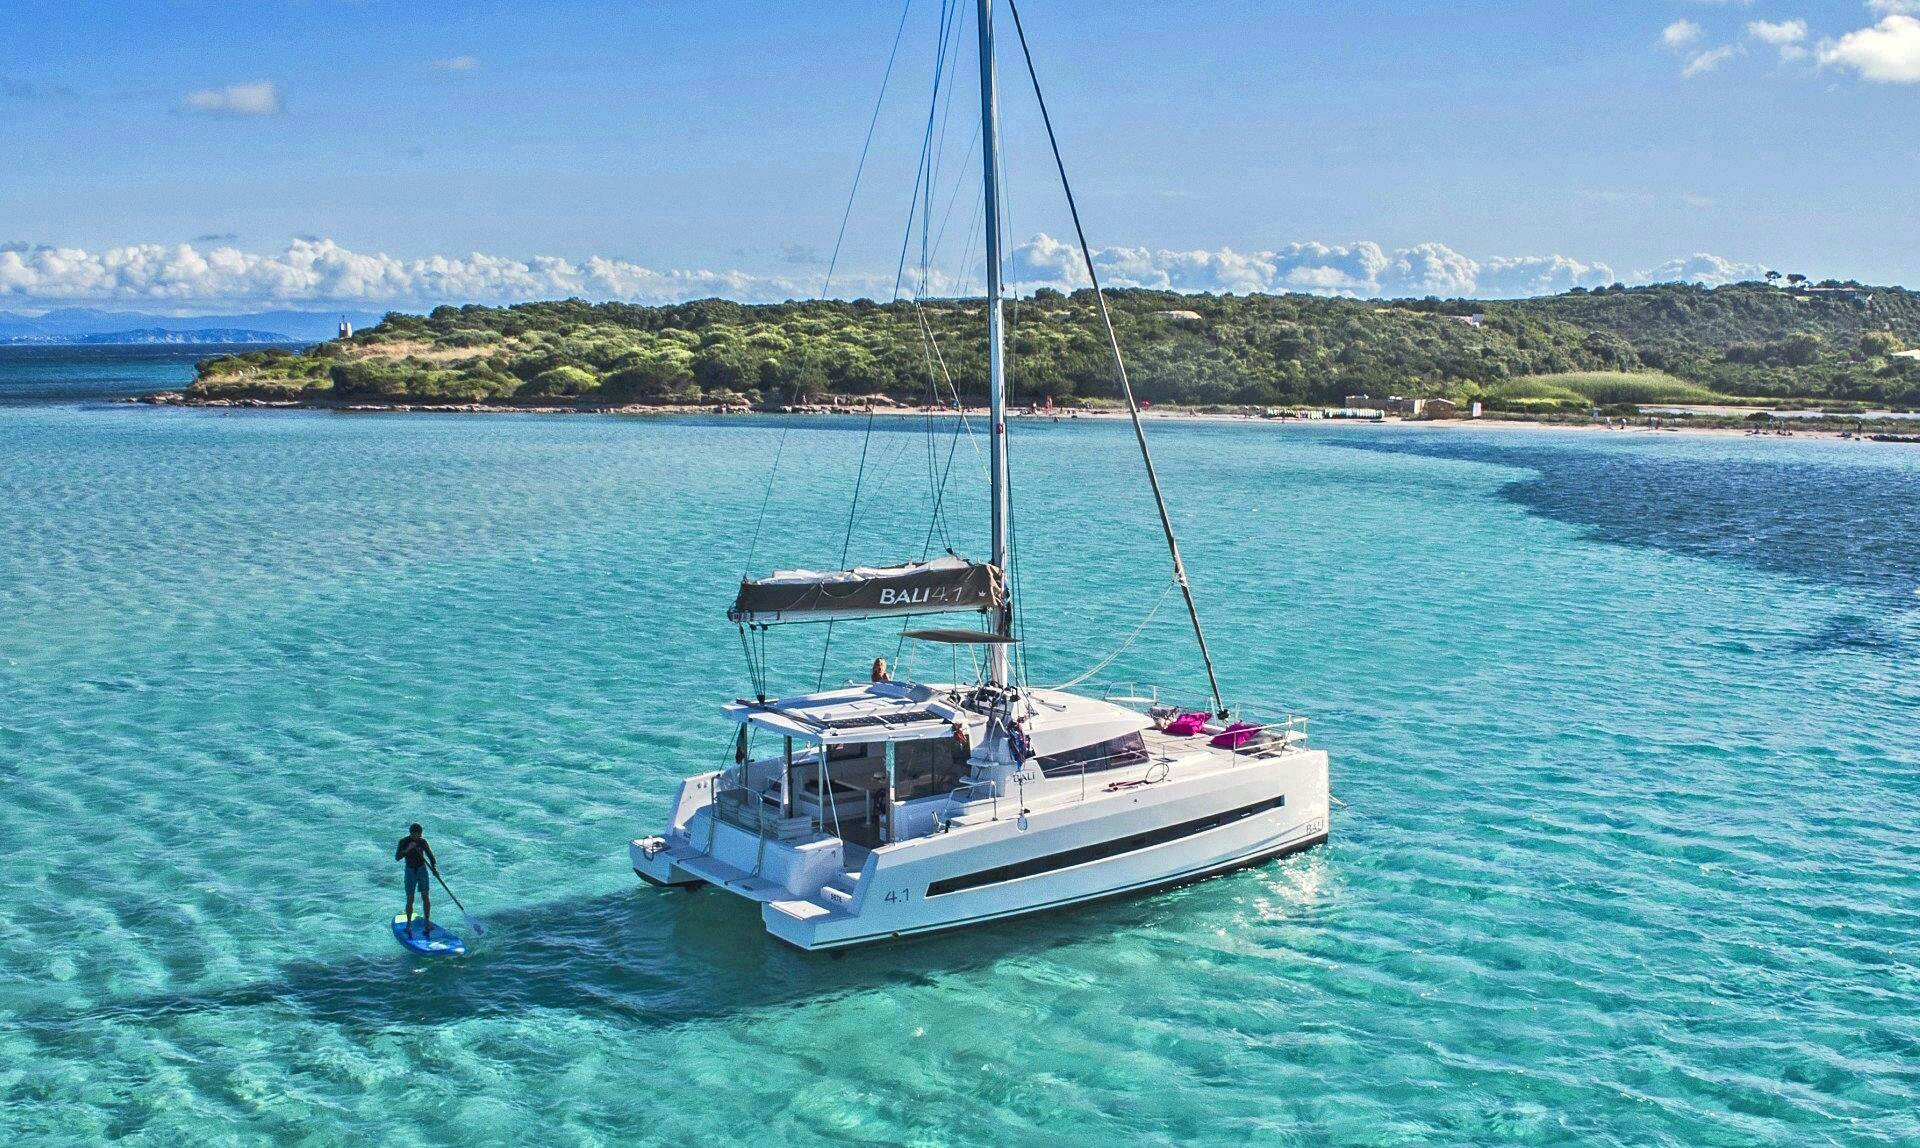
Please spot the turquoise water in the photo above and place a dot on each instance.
(1625, 725)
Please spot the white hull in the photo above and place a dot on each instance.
(1209, 811)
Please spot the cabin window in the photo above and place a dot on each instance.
(928, 768)
(1129, 749)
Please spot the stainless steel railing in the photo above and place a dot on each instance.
(944, 818)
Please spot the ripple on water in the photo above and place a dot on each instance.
(1626, 857)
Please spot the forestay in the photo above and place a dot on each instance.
(944, 585)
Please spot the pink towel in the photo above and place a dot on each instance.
(1235, 735)
(1186, 725)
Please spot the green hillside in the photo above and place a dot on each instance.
(1618, 345)
(1582, 390)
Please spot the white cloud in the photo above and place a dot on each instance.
(1703, 268)
(259, 98)
(458, 63)
(1513, 278)
(1680, 33)
(1888, 52)
(1895, 7)
(1786, 35)
(1358, 269)
(1430, 269)
(321, 273)
(1702, 62)
(1778, 32)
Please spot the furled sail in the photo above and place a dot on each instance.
(943, 585)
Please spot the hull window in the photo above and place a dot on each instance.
(1034, 866)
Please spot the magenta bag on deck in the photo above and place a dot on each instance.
(1235, 735)
(1186, 725)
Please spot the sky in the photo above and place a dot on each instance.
(186, 154)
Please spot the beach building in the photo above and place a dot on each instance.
(1391, 405)
(1440, 409)
(1853, 294)
(346, 328)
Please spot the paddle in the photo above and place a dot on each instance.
(471, 923)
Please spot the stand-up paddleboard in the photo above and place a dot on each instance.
(434, 942)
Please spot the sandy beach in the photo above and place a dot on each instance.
(1667, 425)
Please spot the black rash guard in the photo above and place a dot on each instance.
(413, 850)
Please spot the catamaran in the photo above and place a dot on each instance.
(888, 808)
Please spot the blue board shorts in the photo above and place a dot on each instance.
(416, 879)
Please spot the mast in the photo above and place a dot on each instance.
(997, 661)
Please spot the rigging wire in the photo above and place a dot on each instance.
(861, 167)
(756, 668)
(939, 520)
(936, 153)
(754, 545)
(922, 175)
(846, 544)
(960, 184)
(922, 169)
(839, 240)
(758, 673)
(1016, 618)
(1120, 368)
(1115, 656)
(857, 480)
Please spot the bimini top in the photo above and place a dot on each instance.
(882, 711)
(960, 637)
(943, 585)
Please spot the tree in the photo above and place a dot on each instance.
(1772, 276)
(648, 379)
(1799, 350)
(1796, 278)
(364, 378)
(1878, 344)
(721, 368)
(562, 381)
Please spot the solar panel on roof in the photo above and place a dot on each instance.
(864, 721)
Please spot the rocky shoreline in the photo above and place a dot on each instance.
(182, 399)
(882, 406)
(1777, 428)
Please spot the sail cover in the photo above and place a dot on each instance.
(941, 586)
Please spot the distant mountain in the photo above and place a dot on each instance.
(71, 324)
(154, 335)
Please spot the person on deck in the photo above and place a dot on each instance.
(880, 671)
(414, 850)
(1019, 743)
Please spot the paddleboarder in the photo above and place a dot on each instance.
(414, 850)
